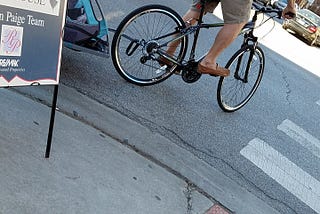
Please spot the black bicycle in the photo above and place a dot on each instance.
(142, 39)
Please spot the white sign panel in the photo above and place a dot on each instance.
(31, 41)
(50, 7)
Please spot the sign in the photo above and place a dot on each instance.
(31, 41)
(51, 7)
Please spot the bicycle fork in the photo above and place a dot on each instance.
(248, 66)
(250, 42)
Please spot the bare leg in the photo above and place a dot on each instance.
(190, 18)
(224, 38)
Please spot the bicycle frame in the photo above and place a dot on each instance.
(247, 31)
(145, 56)
(180, 33)
(185, 32)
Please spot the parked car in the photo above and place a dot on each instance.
(264, 2)
(281, 4)
(305, 24)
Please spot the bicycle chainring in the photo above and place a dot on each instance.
(190, 73)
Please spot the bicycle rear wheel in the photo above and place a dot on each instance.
(246, 71)
(139, 39)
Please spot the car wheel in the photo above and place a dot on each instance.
(313, 42)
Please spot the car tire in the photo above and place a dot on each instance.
(313, 42)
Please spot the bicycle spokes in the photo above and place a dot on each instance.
(247, 66)
(140, 41)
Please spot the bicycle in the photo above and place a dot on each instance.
(142, 37)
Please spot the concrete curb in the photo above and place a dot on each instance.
(155, 147)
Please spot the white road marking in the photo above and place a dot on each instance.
(301, 136)
(318, 102)
(285, 172)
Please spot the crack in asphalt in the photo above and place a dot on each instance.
(287, 85)
(188, 194)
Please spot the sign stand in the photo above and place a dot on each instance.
(22, 63)
(51, 125)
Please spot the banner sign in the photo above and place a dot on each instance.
(31, 41)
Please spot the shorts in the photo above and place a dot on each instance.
(233, 11)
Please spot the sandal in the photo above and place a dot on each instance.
(218, 71)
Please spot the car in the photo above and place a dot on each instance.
(281, 4)
(264, 2)
(306, 24)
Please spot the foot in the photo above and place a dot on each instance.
(166, 64)
(214, 71)
(163, 61)
(169, 52)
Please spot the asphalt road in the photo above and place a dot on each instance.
(283, 115)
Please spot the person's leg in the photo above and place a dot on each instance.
(235, 14)
(191, 18)
(224, 38)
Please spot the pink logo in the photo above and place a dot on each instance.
(11, 40)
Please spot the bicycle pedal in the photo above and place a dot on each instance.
(176, 72)
(161, 69)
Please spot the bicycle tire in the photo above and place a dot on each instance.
(145, 25)
(233, 92)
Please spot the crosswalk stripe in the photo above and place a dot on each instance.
(285, 172)
(301, 136)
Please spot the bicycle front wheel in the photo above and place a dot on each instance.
(246, 71)
(138, 40)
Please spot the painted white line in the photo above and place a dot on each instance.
(286, 173)
(301, 136)
(318, 102)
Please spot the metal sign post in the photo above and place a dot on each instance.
(53, 113)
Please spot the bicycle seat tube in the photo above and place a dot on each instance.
(196, 35)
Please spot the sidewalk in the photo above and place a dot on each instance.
(102, 162)
(88, 172)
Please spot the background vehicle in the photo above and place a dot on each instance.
(264, 2)
(281, 4)
(306, 24)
